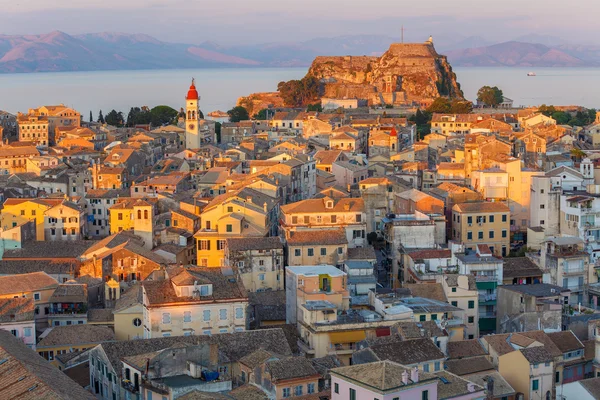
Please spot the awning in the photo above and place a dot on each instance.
(346, 337)
(382, 332)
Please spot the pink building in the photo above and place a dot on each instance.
(17, 317)
(383, 380)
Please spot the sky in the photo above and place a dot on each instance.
(261, 21)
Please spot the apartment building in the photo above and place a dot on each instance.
(482, 223)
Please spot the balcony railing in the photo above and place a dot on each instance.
(487, 314)
(130, 386)
(487, 297)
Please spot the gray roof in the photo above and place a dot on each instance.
(358, 264)
(519, 267)
(451, 385)
(291, 368)
(537, 355)
(536, 289)
(54, 249)
(259, 243)
(501, 386)
(406, 352)
(467, 366)
(12, 266)
(233, 345)
(465, 348)
(26, 375)
(76, 334)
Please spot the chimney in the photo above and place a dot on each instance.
(405, 377)
(265, 206)
(490, 388)
(249, 199)
(414, 375)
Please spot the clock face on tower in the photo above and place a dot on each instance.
(191, 126)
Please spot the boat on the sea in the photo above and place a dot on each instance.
(531, 74)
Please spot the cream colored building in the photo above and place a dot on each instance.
(326, 246)
(327, 213)
(258, 261)
(129, 313)
(196, 301)
(461, 291)
(529, 371)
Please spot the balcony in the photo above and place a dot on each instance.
(305, 347)
(486, 278)
(130, 386)
(573, 271)
(487, 314)
(487, 297)
(67, 309)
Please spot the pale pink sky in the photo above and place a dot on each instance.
(247, 21)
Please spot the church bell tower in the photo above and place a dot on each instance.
(192, 134)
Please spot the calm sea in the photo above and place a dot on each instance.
(220, 88)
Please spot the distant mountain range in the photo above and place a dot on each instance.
(58, 51)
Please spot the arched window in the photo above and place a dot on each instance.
(145, 214)
(139, 214)
(189, 115)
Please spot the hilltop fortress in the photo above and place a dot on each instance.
(406, 74)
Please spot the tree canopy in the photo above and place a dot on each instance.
(237, 114)
(157, 116)
(262, 115)
(299, 93)
(444, 106)
(101, 117)
(490, 96)
(115, 118)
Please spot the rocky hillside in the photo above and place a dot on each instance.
(405, 73)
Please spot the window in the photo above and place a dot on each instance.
(203, 244)
(166, 318)
(206, 315)
(542, 222)
(223, 314)
(36, 296)
(137, 322)
(311, 252)
(306, 219)
(336, 388)
(323, 251)
(319, 219)
(491, 235)
(239, 312)
(425, 367)
(542, 206)
(286, 392)
(422, 318)
(187, 316)
(454, 303)
(333, 219)
(503, 217)
(229, 209)
(261, 277)
(358, 217)
(491, 218)
(310, 388)
(294, 220)
(298, 390)
(504, 233)
(469, 220)
(436, 366)
(469, 235)
(352, 394)
(434, 317)
(297, 252)
(425, 395)
(340, 250)
(480, 235)
(471, 304)
(471, 320)
(535, 385)
(229, 228)
(27, 332)
(535, 366)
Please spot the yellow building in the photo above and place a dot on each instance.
(258, 261)
(482, 223)
(136, 215)
(241, 213)
(529, 371)
(129, 314)
(327, 246)
(55, 219)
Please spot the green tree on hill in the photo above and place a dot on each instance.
(237, 114)
(163, 115)
(115, 118)
(490, 96)
(298, 93)
(91, 117)
(262, 115)
(101, 117)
